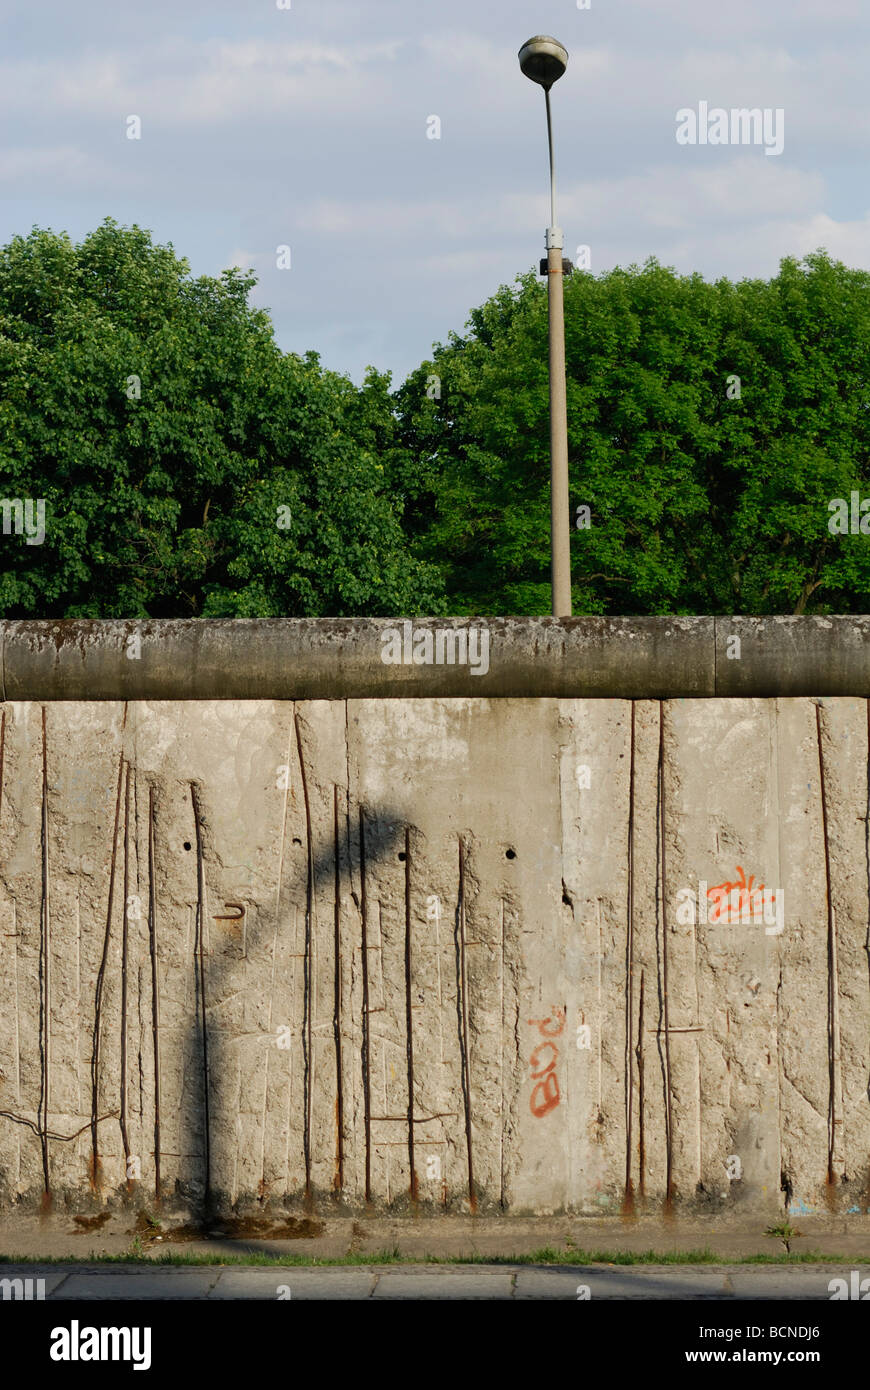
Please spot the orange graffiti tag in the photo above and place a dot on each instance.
(720, 895)
(545, 1093)
(540, 1023)
(535, 1061)
(549, 1096)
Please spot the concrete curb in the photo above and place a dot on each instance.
(377, 658)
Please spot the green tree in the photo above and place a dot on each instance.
(188, 467)
(707, 494)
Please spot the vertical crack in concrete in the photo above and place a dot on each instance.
(155, 992)
(462, 1016)
(336, 1013)
(282, 844)
(307, 1059)
(199, 955)
(140, 972)
(641, 1156)
(504, 1115)
(2, 753)
(834, 1114)
(347, 811)
(409, 1027)
(511, 1072)
(628, 1194)
(778, 1032)
(661, 914)
(44, 978)
(867, 858)
(366, 1035)
(124, 957)
(98, 991)
(785, 1183)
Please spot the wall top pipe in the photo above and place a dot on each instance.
(394, 658)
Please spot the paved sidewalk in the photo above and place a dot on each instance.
(424, 1283)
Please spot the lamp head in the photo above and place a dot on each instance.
(543, 60)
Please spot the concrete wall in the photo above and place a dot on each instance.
(433, 949)
(388, 658)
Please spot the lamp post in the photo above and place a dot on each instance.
(544, 60)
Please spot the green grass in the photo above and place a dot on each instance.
(548, 1255)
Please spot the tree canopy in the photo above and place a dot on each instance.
(190, 468)
(710, 426)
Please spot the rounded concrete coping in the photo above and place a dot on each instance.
(395, 658)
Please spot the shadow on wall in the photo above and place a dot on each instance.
(170, 1013)
(353, 847)
(318, 1111)
(211, 1098)
(177, 988)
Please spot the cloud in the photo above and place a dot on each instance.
(68, 167)
(199, 83)
(846, 241)
(467, 52)
(241, 260)
(307, 126)
(394, 219)
(739, 19)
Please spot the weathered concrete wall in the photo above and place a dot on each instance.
(388, 658)
(436, 949)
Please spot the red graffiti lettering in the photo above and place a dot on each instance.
(549, 1095)
(540, 1024)
(545, 1094)
(534, 1061)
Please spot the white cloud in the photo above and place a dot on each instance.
(467, 52)
(211, 81)
(739, 18)
(67, 166)
(307, 126)
(846, 241)
(241, 260)
(395, 219)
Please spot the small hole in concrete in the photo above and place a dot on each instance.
(510, 854)
(402, 856)
(187, 844)
(296, 840)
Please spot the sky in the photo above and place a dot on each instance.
(309, 127)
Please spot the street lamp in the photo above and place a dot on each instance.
(544, 60)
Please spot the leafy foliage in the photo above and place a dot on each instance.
(189, 468)
(701, 501)
(163, 498)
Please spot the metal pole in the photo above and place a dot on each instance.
(560, 534)
(552, 161)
